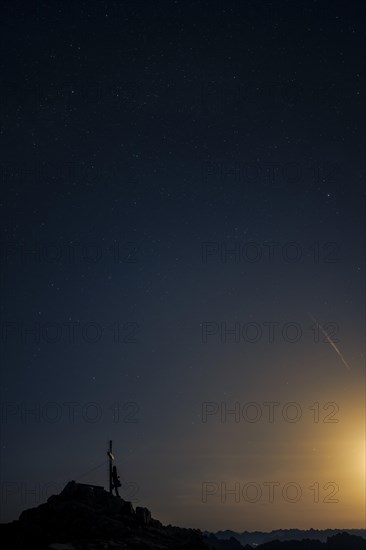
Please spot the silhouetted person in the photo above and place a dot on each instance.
(115, 480)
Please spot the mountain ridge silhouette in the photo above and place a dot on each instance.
(86, 517)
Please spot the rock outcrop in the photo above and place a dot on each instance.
(86, 517)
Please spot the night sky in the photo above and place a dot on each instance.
(182, 235)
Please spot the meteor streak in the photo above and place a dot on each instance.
(331, 342)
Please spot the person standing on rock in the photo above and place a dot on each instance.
(115, 480)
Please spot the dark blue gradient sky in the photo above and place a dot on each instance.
(183, 190)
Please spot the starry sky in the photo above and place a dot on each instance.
(182, 257)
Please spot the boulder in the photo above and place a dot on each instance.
(143, 515)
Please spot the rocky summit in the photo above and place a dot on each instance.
(86, 517)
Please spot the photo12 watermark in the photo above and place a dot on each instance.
(25, 494)
(269, 252)
(268, 332)
(68, 412)
(270, 412)
(68, 332)
(69, 252)
(269, 492)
